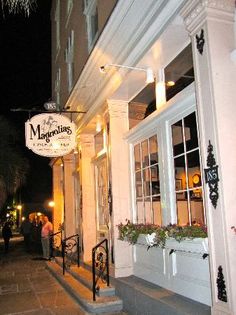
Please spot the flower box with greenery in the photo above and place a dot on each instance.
(169, 236)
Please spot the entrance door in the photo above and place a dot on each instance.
(103, 217)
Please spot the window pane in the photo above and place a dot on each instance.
(196, 204)
(153, 150)
(155, 180)
(177, 138)
(145, 160)
(146, 181)
(182, 209)
(137, 158)
(148, 210)
(180, 173)
(156, 206)
(193, 163)
(190, 129)
(138, 185)
(140, 217)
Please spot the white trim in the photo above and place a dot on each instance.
(69, 9)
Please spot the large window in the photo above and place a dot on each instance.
(91, 13)
(147, 181)
(188, 184)
(69, 58)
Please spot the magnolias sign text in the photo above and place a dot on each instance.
(50, 135)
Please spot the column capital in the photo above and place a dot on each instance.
(195, 13)
(117, 108)
(86, 139)
(69, 158)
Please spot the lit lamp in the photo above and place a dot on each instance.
(149, 72)
(160, 89)
(51, 203)
(98, 124)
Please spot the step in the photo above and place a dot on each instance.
(84, 275)
(83, 295)
(151, 299)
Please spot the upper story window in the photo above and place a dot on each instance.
(58, 87)
(147, 182)
(91, 13)
(69, 58)
(57, 20)
(69, 7)
(188, 184)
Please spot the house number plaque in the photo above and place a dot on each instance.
(211, 176)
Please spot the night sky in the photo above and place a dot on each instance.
(25, 64)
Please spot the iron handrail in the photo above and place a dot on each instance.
(66, 248)
(100, 266)
(52, 241)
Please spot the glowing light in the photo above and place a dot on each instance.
(51, 203)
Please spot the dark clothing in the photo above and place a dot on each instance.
(26, 231)
(6, 234)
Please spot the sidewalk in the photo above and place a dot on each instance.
(27, 287)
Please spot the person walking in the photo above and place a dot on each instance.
(26, 231)
(6, 234)
(47, 230)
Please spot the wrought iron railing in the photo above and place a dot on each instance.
(70, 251)
(100, 265)
(55, 242)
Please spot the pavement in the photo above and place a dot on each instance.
(27, 287)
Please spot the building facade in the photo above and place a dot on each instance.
(156, 152)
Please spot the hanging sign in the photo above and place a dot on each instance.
(50, 135)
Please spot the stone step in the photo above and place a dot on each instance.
(153, 300)
(84, 275)
(83, 295)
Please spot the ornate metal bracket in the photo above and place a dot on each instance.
(222, 294)
(211, 176)
(200, 41)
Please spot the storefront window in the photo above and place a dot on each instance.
(147, 181)
(188, 184)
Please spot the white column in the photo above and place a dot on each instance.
(69, 194)
(89, 228)
(215, 77)
(58, 209)
(120, 178)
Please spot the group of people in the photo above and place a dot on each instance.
(27, 229)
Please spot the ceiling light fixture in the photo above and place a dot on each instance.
(149, 72)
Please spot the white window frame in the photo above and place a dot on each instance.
(58, 87)
(69, 58)
(69, 8)
(159, 123)
(57, 21)
(90, 7)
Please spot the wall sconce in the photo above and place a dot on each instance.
(98, 124)
(149, 72)
(161, 89)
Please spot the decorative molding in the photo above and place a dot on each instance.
(200, 41)
(194, 12)
(117, 108)
(137, 110)
(222, 294)
(211, 175)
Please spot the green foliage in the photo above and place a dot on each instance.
(130, 232)
(13, 165)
